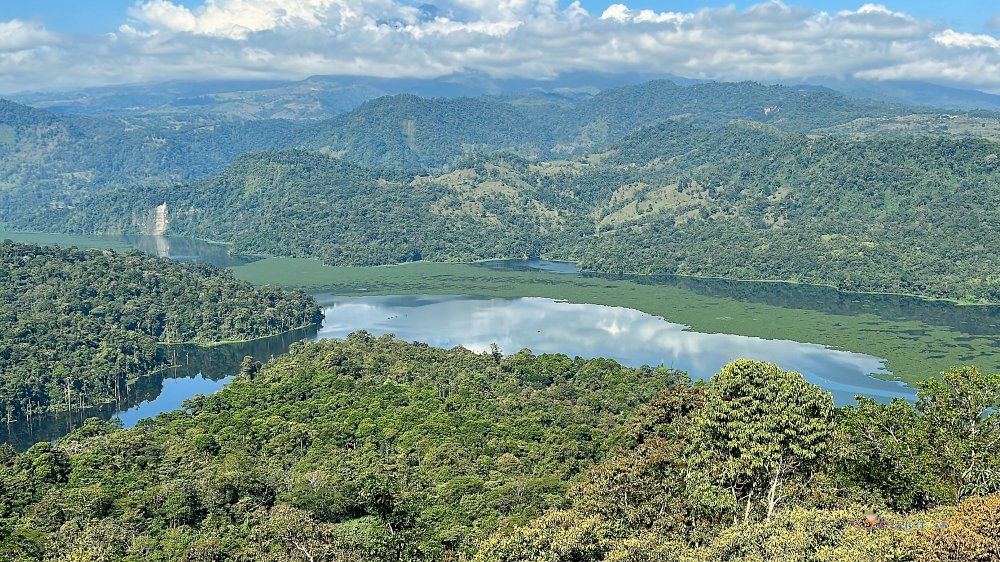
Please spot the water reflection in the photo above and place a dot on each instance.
(198, 370)
(629, 336)
(973, 319)
(184, 249)
(173, 247)
(533, 264)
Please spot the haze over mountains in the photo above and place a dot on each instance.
(320, 96)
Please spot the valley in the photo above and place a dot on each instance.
(492, 320)
(893, 337)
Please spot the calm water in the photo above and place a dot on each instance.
(177, 248)
(199, 371)
(533, 264)
(628, 336)
(543, 325)
(185, 249)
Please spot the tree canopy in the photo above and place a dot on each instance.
(77, 326)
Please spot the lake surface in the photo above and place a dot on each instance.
(173, 247)
(544, 325)
(533, 264)
(628, 336)
(198, 370)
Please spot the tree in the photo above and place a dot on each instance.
(561, 536)
(962, 412)
(883, 448)
(941, 450)
(761, 431)
(971, 533)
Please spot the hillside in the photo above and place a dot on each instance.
(50, 160)
(79, 326)
(742, 201)
(411, 132)
(882, 214)
(377, 450)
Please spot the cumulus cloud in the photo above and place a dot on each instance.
(17, 35)
(951, 38)
(771, 41)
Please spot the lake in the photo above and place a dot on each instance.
(198, 370)
(628, 336)
(543, 325)
(173, 247)
(728, 319)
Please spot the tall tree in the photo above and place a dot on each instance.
(761, 432)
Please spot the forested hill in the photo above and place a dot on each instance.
(79, 325)
(410, 132)
(742, 201)
(379, 450)
(308, 204)
(417, 133)
(50, 160)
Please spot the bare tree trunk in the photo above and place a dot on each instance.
(772, 493)
(746, 511)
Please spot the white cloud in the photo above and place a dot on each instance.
(623, 14)
(162, 39)
(237, 19)
(952, 38)
(18, 35)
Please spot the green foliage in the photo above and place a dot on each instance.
(938, 451)
(598, 526)
(78, 325)
(972, 533)
(409, 132)
(740, 201)
(48, 159)
(962, 411)
(376, 449)
(760, 435)
(561, 536)
(363, 449)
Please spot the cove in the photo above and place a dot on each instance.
(196, 370)
(174, 247)
(628, 336)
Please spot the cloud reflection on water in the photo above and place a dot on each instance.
(628, 336)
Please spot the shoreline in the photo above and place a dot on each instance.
(582, 271)
(207, 345)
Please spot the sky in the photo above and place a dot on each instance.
(64, 44)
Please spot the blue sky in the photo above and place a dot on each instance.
(98, 16)
(59, 44)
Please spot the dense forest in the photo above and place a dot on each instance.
(414, 133)
(376, 449)
(77, 326)
(52, 160)
(741, 201)
(733, 180)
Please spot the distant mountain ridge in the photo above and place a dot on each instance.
(411, 132)
(319, 97)
(47, 159)
(736, 180)
(917, 93)
(744, 200)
